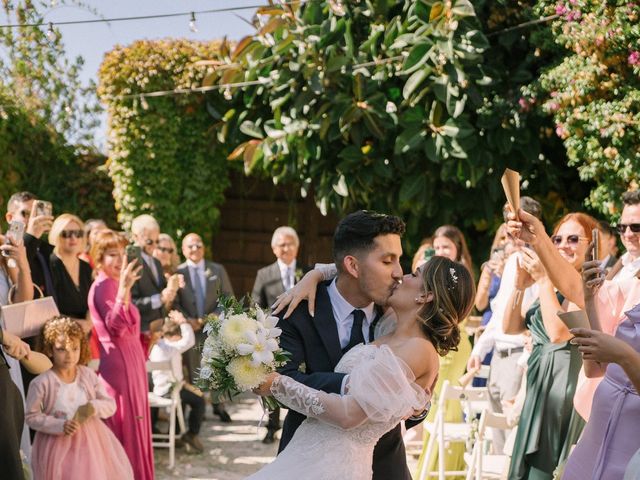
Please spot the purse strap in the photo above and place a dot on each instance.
(13, 288)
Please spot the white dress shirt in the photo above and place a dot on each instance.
(172, 351)
(156, 299)
(287, 273)
(343, 314)
(493, 335)
(629, 268)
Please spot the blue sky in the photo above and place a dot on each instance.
(92, 41)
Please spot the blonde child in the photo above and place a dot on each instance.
(65, 406)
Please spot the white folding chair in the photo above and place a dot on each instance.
(442, 432)
(174, 405)
(482, 465)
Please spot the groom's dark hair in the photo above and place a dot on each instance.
(356, 233)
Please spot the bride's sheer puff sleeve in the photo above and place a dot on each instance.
(381, 388)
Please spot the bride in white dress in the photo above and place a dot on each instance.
(388, 381)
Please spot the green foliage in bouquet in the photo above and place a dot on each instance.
(162, 158)
(240, 350)
(391, 105)
(593, 94)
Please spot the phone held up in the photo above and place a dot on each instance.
(43, 208)
(134, 252)
(428, 253)
(14, 236)
(595, 235)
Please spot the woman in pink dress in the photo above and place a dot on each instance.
(122, 361)
(65, 406)
(610, 437)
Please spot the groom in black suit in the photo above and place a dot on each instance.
(366, 251)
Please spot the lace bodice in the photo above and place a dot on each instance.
(341, 432)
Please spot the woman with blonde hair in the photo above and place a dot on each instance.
(71, 276)
(167, 252)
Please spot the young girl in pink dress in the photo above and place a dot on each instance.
(65, 406)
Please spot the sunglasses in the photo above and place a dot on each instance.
(622, 227)
(572, 240)
(148, 241)
(195, 246)
(165, 249)
(72, 233)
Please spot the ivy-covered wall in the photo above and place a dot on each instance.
(161, 155)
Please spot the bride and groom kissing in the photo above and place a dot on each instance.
(349, 384)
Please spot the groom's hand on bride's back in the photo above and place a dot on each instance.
(305, 289)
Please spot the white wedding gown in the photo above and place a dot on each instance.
(337, 439)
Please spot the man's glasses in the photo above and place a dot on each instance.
(194, 246)
(622, 227)
(572, 240)
(165, 249)
(148, 241)
(72, 233)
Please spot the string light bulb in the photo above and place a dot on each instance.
(192, 23)
(50, 33)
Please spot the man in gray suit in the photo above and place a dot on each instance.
(273, 280)
(204, 282)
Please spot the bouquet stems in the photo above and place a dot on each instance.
(269, 403)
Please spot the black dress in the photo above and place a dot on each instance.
(71, 299)
(11, 422)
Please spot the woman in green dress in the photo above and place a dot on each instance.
(448, 241)
(548, 425)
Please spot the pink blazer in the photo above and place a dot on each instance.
(43, 391)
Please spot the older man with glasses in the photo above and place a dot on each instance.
(204, 282)
(150, 293)
(628, 265)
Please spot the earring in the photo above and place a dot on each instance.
(417, 299)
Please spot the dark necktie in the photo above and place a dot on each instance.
(372, 326)
(357, 336)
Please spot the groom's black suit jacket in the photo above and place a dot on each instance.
(315, 350)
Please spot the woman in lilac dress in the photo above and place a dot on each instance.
(610, 437)
(122, 361)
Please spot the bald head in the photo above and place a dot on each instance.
(192, 247)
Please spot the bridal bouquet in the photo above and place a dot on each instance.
(240, 350)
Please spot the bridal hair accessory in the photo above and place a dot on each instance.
(454, 277)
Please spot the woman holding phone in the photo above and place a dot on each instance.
(15, 276)
(548, 425)
(122, 361)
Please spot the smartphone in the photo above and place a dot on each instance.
(43, 208)
(595, 234)
(134, 252)
(14, 235)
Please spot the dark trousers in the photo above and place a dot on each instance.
(11, 425)
(274, 420)
(196, 411)
(196, 407)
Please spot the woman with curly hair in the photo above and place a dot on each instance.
(65, 406)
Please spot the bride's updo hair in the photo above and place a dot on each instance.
(453, 295)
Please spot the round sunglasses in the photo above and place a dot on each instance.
(165, 249)
(572, 240)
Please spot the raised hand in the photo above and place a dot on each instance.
(592, 274)
(599, 346)
(530, 261)
(129, 274)
(38, 224)
(525, 227)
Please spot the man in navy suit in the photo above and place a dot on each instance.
(366, 251)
